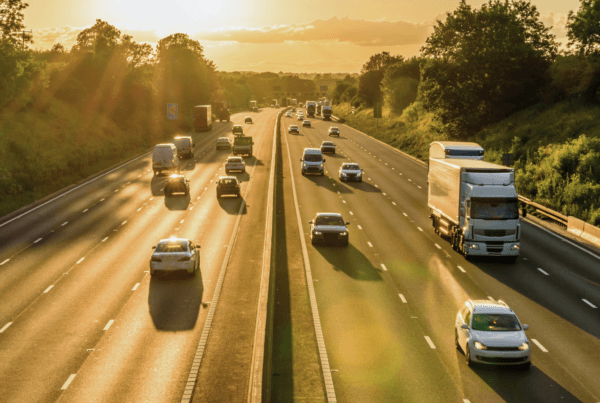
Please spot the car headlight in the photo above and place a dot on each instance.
(321, 165)
(480, 346)
(474, 246)
(304, 165)
(514, 247)
(359, 174)
(343, 233)
(524, 346)
(317, 233)
(343, 173)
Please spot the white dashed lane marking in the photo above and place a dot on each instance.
(109, 324)
(65, 223)
(430, 342)
(383, 267)
(370, 244)
(85, 210)
(80, 260)
(5, 327)
(359, 227)
(135, 287)
(420, 229)
(48, 289)
(394, 203)
(37, 240)
(104, 240)
(537, 343)
(402, 298)
(437, 246)
(68, 382)
(405, 215)
(543, 271)
(589, 303)
(4, 262)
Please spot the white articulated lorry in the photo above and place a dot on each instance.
(475, 204)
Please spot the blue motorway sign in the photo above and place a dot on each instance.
(172, 111)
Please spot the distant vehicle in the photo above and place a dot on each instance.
(248, 119)
(329, 228)
(235, 164)
(272, 105)
(237, 129)
(293, 129)
(306, 123)
(294, 101)
(242, 145)
(223, 142)
(326, 112)
(301, 105)
(327, 147)
(334, 131)
(476, 205)
(177, 184)
(255, 109)
(318, 109)
(202, 118)
(253, 105)
(456, 149)
(300, 117)
(350, 171)
(175, 254)
(228, 185)
(489, 332)
(288, 114)
(224, 115)
(312, 162)
(311, 108)
(165, 158)
(185, 146)
(293, 109)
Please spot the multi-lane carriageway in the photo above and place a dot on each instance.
(81, 320)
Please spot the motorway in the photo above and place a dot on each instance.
(82, 321)
(388, 301)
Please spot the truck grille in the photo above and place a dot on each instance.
(495, 232)
(494, 247)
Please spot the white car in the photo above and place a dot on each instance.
(293, 129)
(223, 142)
(350, 171)
(489, 332)
(235, 164)
(288, 115)
(175, 254)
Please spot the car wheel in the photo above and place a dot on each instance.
(468, 357)
(456, 343)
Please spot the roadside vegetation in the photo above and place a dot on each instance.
(494, 75)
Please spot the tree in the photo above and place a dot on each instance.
(400, 84)
(379, 62)
(485, 64)
(11, 23)
(583, 30)
(98, 38)
(368, 87)
(340, 87)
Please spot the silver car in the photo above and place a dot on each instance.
(489, 332)
(350, 171)
(175, 254)
(235, 164)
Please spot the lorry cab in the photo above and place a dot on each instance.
(456, 149)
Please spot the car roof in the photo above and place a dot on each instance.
(223, 138)
(170, 145)
(237, 126)
(173, 239)
(329, 214)
(228, 177)
(349, 163)
(312, 151)
(489, 306)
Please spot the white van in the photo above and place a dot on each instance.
(165, 158)
(185, 146)
(313, 162)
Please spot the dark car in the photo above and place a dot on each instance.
(237, 129)
(248, 119)
(255, 109)
(177, 184)
(228, 185)
(329, 228)
(327, 147)
(334, 131)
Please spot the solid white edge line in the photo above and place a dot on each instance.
(195, 369)
(48, 289)
(383, 267)
(5, 327)
(402, 298)
(430, 342)
(68, 382)
(589, 303)
(537, 343)
(135, 287)
(72, 190)
(330, 390)
(109, 324)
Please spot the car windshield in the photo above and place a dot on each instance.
(329, 220)
(313, 157)
(351, 167)
(228, 182)
(172, 247)
(489, 322)
(494, 208)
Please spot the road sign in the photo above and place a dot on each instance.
(377, 111)
(171, 111)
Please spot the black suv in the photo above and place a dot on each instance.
(177, 184)
(228, 185)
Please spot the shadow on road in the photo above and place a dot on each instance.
(351, 261)
(188, 165)
(231, 204)
(515, 385)
(177, 202)
(174, 300)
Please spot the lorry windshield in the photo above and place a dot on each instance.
(494, 208)
(243, 140)
(464, 153)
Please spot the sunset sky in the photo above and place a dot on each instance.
(268, 35)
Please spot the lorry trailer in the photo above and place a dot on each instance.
(202, 118)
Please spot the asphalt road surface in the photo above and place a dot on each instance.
(80, 318)
(388, 301)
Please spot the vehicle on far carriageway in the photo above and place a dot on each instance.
(175, 254)
(329, 228)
